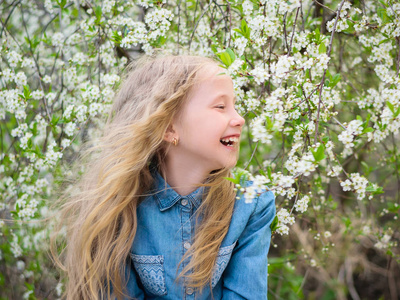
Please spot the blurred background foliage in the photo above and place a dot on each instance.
(317, 81)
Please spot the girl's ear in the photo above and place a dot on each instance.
(170, 134)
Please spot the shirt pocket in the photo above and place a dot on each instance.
(151, 272)
(223, 257)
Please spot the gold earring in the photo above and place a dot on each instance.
(174, 141)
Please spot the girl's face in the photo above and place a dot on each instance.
(209, 128)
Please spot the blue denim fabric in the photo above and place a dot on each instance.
(166, 228)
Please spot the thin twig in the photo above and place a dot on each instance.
(323, 77)
(397, 167)
(197, 23)
(324, 6)
(398, 57)
(252, 155)
(8, 17)
(294, 27)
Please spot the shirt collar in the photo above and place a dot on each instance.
(167, 197)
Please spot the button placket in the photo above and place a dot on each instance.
(189, 291)
(186, 212)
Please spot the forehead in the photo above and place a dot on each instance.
(211, 80)
(211, 72)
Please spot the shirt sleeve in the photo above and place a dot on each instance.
(246, 274)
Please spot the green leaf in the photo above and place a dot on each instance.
(382, 13)
(270, 124)
(227, 57)
(367, 121)
(335, 80)
(299, 93)
(322, 48)
(390, 105)
(238, 31)
(54, 120)
(374, 189)
(274, 224)
(27, 92)
(368, 129)
(392, 208)
(397, 112)
(116, 38)
(319, 154)
(317, 35)
(269, 172)
(62, 3)
(98, 14)
(245, 29)
(231, 54)
(234, 180)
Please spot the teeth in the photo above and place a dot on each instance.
(231, 139)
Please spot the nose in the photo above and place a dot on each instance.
(237, 120)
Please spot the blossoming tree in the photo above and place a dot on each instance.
(318, 83)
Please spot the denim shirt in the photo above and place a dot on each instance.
(165, 230)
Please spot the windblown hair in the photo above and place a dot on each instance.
(100, 216)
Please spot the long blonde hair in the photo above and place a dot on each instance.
(101, 218)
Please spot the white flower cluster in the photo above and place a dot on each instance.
(92, 93)
(341, 25)
(13, 58)
(260, 74)
(356, 183)
(27, 209)
(259, 185)
(323, 61)
(301, 205)
(281, 68)
(286, 6)
(52, 156)
(347, 136)
(240, 45)
(15, 247)
(159, 21)
(304, 166)
(110, 79)
(282, 183)
(263, 27)
(80, 58)
(259, 130)
(247, 7)
(148, 3)
(384, 242)
(108, 5)
(283, 219)
(57, 39)
(137, 35)
(69, 128)
(11, 102)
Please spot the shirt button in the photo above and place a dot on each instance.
(184, 202)
(189, 291)
(186, 245)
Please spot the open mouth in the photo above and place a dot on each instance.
(229, 142)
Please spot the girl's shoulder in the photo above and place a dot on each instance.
(254, 211)
(256, 195)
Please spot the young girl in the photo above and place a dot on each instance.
(154, 217)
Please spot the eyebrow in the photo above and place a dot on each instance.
(226, 96)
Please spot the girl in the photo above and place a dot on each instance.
(154, 217)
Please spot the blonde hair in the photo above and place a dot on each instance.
(101, 218)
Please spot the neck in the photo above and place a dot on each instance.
(182, 179)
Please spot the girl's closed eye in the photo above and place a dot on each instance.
(220, 106)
